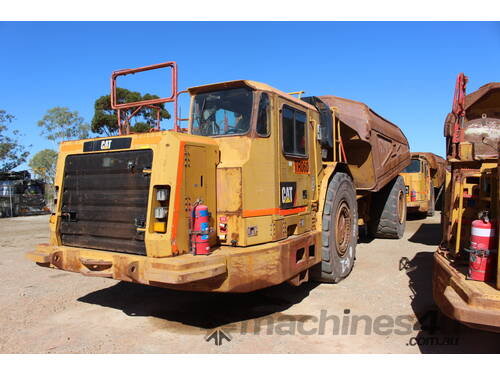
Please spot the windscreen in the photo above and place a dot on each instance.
(224, 112)
(414, 167)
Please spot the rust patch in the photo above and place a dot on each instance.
(301, 166)
(56, 259)
(229, 190)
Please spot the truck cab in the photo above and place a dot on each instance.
(267, 175)
(424, 179)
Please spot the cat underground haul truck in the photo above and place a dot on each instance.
(466, 278)
(424, 181)
(262, 188)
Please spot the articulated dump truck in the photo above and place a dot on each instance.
(261, 188)
(424, 182)
(466, 276)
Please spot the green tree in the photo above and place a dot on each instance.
(105, 119)
(12, 153)
(60, 124)
(43, 165)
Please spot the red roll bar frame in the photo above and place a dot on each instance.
(458, 107)
(124, 126)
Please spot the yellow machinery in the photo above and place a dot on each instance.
(286, 182)
(424, 181)
(472, 190)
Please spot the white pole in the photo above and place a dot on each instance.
(10, 198)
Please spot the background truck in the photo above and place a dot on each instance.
(21, 195)
(424, 181)
(469, 249)
(262, 188)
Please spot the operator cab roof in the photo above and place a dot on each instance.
(251, 84)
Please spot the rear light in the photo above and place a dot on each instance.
(161, 212)
(160, 226)
(223, 224)
(162, 194)
(223, 228)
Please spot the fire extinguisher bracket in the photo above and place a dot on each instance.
(481, 253)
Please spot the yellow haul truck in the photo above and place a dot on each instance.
(424, 181)
(472, 131)
(286, 182)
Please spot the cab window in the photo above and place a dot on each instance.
(414, 167)
(263, 116)
(293, 124)
(223, 112)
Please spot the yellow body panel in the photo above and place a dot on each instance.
(195, 156)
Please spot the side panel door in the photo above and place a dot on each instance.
(294, 161)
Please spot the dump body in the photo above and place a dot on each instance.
(471, 191)
(252, 155)
(376, 149)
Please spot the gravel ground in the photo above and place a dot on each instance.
(374, 310)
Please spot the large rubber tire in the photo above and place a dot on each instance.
(340, 231)
(432, 203)
(388, 211)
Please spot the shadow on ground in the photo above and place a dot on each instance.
(427, 234)
(437, 333)
(197, 309)
(434, 333)
(414, 216)
(363, 236)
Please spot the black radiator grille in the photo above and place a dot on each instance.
(105, 200)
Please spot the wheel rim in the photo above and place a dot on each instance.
(401, 207)
(343, 228)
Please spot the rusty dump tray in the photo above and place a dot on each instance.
(482, 121)
(482, 128)
(376, 149)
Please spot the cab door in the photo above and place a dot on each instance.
(294, 172)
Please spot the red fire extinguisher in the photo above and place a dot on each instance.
(413, 196)
(200, 230)
(483, 250)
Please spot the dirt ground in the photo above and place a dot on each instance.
(377, 309)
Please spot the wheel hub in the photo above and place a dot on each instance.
(401, 207)
(343, 228)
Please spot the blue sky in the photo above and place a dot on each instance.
(405, 71)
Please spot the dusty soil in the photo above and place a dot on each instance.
(374, 310)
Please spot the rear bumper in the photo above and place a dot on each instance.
(226, 269)
(473, 303)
